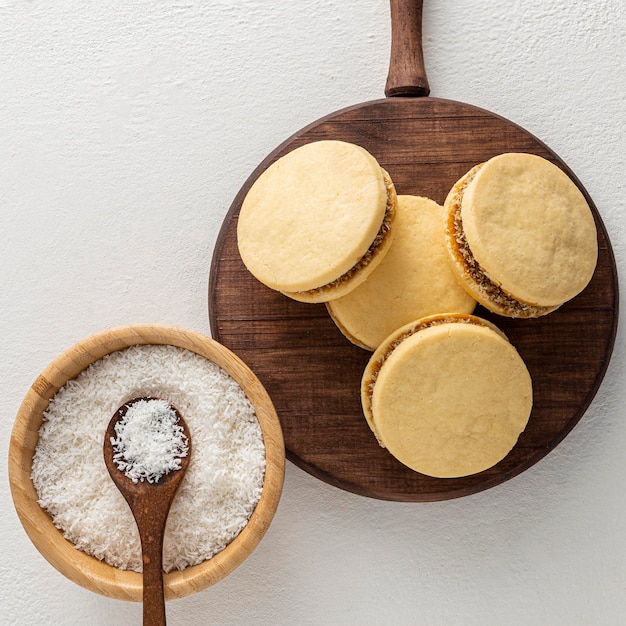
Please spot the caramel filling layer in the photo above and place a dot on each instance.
(452, 318)
(490, 290)
(372, 251)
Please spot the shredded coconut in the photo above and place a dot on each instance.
(149, 442)
(224, 480)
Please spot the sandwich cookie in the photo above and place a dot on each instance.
(520, 235)
(413, 280)
(317, 221)
(447, 395)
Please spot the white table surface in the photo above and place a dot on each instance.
(127, 128)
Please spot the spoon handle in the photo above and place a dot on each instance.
(151, 531)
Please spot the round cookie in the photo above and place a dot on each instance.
(447, 395)
(317, 221)
(520, 235)
(413, 280)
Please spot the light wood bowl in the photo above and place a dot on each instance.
(86, 570)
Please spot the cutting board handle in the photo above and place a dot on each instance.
(407, 74)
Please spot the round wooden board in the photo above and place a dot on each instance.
(313, 373)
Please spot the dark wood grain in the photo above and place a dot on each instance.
(313, 373)
(407, 72)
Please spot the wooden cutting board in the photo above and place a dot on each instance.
(313, 374)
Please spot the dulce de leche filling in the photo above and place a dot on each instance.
(372, 251)
(491, 291)
(407, 331)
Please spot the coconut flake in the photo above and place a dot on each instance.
(149, 441)
(223, 482)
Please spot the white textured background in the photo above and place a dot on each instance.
(127, 128)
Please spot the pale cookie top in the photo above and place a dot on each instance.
(452, 399)
(413, 280)
(311, 215)
(530, 229)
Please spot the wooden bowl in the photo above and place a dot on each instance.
(86, 570)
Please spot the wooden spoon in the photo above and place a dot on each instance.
(150, 504)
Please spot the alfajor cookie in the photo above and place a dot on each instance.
(317, 221)
(520, 235)
(413, 280)
(447, 395)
